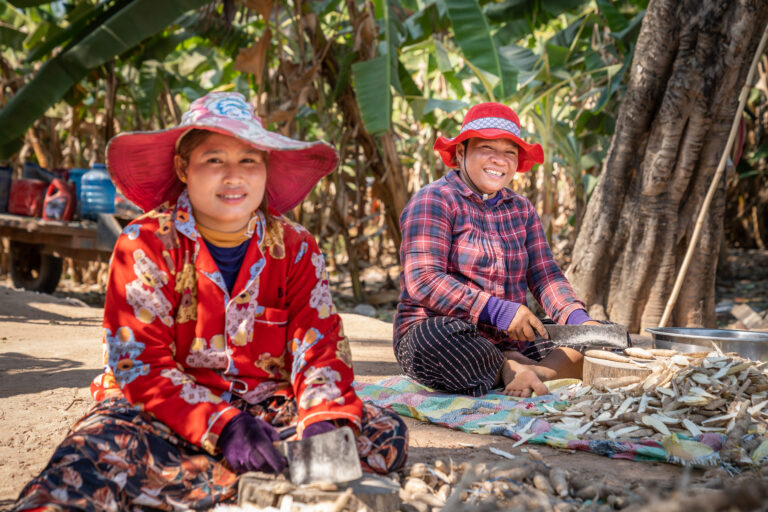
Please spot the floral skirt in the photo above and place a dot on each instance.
(119, 458)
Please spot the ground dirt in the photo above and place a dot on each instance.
(50, 350)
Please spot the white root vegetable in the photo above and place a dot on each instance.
(608, 356)
(558, 477)
(663, 352)
(638, 352)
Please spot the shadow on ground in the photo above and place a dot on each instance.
(23, 374)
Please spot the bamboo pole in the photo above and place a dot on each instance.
(713, 186)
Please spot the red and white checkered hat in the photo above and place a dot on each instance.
(491, 121)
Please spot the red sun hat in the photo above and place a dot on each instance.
(141, 163)
(491, 121)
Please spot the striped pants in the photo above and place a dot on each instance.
(449, 354)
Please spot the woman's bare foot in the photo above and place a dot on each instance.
(520, 381)
(544, 373)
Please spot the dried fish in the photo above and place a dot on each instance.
(656, 424)
(680, 360)
(623, 431)
(691, 427)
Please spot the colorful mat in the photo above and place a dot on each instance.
(498, 414)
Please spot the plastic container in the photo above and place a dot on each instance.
(76, 177)
(27, 197)
(5, 187)
(97, 193)
(32, 171)
(59, 201)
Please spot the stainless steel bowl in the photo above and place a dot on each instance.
(748, 344)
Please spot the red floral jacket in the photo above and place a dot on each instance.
(179, 346)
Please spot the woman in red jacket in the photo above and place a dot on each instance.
(220, 333)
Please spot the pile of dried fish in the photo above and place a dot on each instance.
(689, 394)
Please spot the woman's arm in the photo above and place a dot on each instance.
(427, 237)
(321, 371)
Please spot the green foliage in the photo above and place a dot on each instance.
(562, 64)
(371, 78)
(123, 30)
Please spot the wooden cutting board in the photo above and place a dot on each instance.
(595, 368)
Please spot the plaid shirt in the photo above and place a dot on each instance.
(457, 252)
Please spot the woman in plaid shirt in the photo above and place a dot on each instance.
(471, 248)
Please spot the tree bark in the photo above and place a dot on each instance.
(690, 63)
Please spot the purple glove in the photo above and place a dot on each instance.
(246, 442)
(321, 427)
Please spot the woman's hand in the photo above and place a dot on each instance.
(525, 325)
(591, 322)
(247, 444)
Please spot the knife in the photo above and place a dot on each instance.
(611, 335)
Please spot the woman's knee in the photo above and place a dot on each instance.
(383, 440)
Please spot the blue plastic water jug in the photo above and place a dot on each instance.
(76, 177)
(5, 187)
(97, 192)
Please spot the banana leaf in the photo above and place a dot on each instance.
(12, 16)
(616, 21)
(11, 38)
(473, 35)
(118, 34)
(28, 3)
(371, 81)
(81, 22)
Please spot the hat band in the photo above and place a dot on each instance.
(492, 122)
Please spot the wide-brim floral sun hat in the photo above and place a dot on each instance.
(141, 163)
(491, 121)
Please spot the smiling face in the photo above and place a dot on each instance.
(226, 179)
(490, 163)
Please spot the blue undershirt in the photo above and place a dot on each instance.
(229, 260)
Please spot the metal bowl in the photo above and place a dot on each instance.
(748, 344)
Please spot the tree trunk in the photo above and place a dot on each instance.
(690, 63)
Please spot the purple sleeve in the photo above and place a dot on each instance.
(578, 317)
(499, 313)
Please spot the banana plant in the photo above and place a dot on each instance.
(126, 27)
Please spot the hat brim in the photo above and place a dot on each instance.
(528, 156)
(141, 165)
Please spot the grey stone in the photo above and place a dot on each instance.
(365, 310)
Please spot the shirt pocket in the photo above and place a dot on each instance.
(269, 342)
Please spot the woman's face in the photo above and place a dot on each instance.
(226, 179)
(490, 163)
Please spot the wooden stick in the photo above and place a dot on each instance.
(713, 186)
